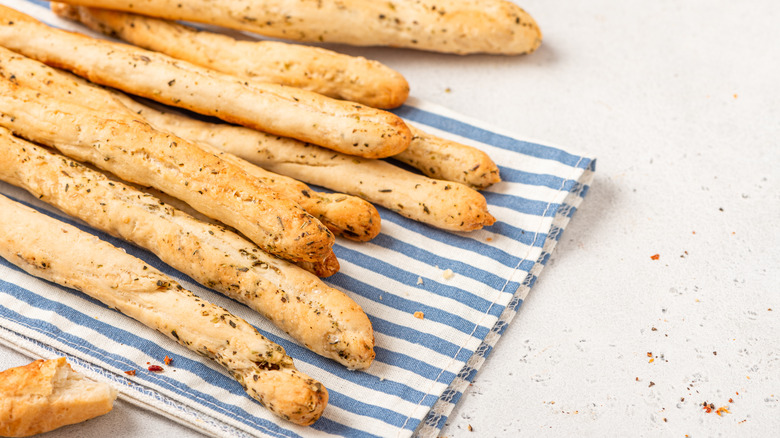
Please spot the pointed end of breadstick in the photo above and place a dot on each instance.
(392, 92)
(288, 393)
(355, 351)
(527, 35)
(325, 268)
(349, 216)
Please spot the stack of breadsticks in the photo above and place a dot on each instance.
(227, 203)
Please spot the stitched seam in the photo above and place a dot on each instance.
(503, 288)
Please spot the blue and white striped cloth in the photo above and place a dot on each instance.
(422, 366)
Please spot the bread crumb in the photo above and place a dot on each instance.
(447, 274)
(419, 315)
(419, 280)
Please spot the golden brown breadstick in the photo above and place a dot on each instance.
(444, 159)
(322, 71)
(443, 204)
(347, 216)
(343, 126)
(320, 317)
(63, 254)
(135, 152)
(451, 26)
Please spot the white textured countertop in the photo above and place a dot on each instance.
(680, 102)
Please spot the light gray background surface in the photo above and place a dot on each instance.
(680, 102)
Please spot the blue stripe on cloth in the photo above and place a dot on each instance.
(481, 135)
(555, 182)
(363, 408)
(458, 240)
(390, 300)
(421, 368)
(410, 278)
(521, 205)
(394, 359)
(431, 342)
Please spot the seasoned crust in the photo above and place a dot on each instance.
(339, 125)
(134, 151)
(322, 71)
(346, 216)
(320, 317)
(63, 254)
(450, 26)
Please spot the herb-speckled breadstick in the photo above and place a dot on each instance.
(136, 152)
(322, 318)
(343, 126)
(347, 216)
(322, 71)
(444, 159)
(443, 204)
(451, 26)
(63, 254)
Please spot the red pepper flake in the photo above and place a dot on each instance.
(167, 360)
(649, 354)
(130, 373)
(722, 410)
(155, 368)
(655, 256)
(731, 400)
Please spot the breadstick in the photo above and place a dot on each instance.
(135, 152)
(322, 318)
(343, 126)
(347, 216)
(450, 26)
(65, 255)
(448, 160)
(447, 205)
(322, 71)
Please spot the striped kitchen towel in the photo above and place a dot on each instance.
(468, 286)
